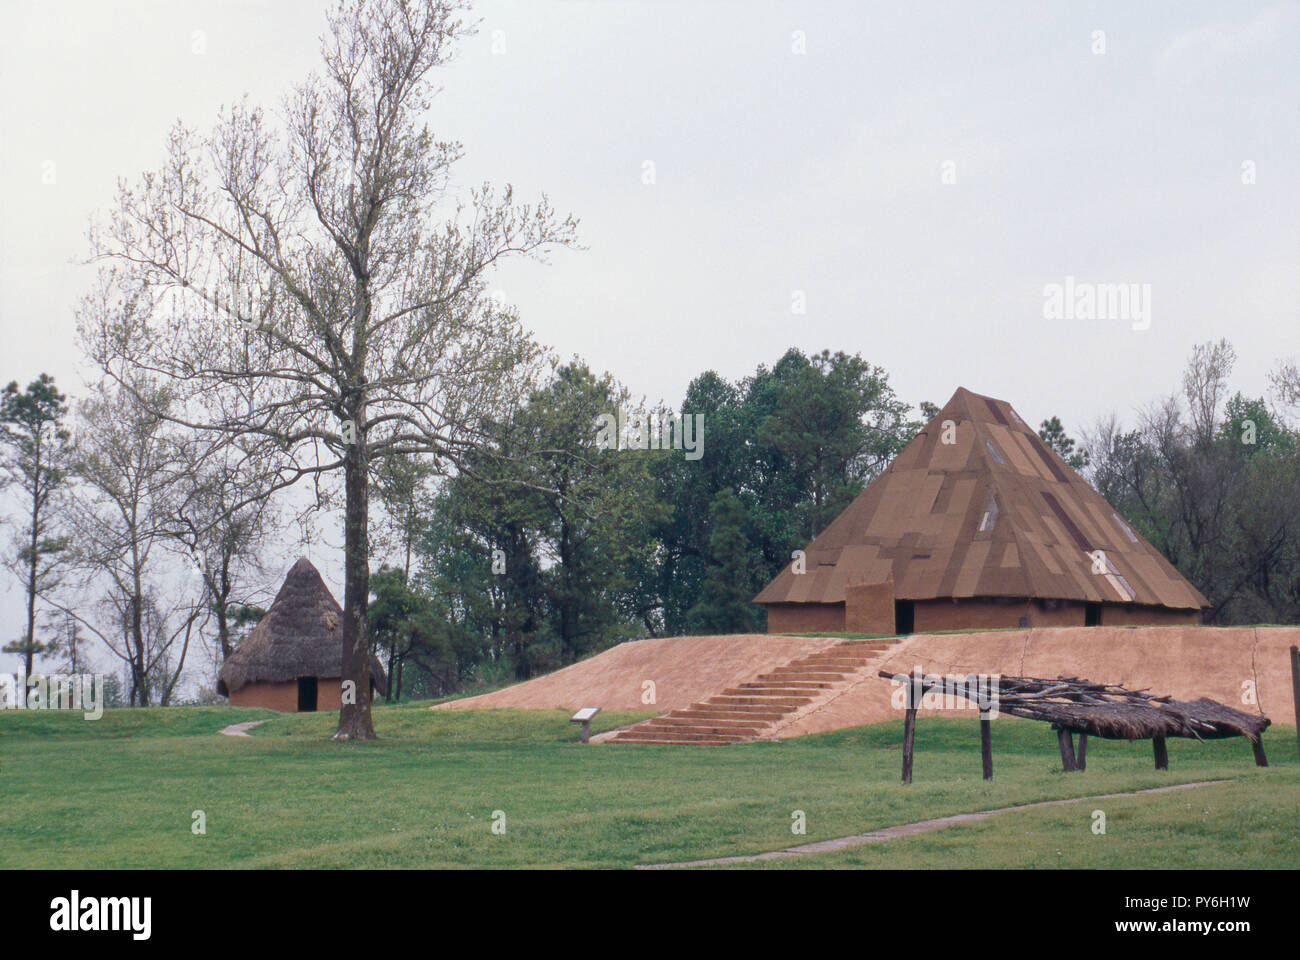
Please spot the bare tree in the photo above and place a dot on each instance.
(318, 258)
(1216, 504)
(1205, 384)
(220, 517)
(1285, 381)
(400, 482)
(68, 644)
(126, 475)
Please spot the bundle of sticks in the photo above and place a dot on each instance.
(1107, 710)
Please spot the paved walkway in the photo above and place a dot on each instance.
(241, 729)
(909, 829)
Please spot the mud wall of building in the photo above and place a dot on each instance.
(788, 618)
(934, 616)
(284, 696)
(1133, 615)
(869, 608)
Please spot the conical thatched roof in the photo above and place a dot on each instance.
(983, 508)
(301, 635)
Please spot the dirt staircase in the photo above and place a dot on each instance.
(760, 705)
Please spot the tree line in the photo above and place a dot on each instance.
(550, 545)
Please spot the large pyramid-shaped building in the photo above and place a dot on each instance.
(977, 524)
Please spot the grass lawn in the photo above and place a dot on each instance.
(121, 792)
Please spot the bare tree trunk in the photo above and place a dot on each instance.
(29, 653)
(392, 667)
(221, 608)
(31, 603)
(354, 718)
(137, 625)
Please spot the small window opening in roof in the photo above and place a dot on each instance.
(1128, 587)
(994, 451)
(1126, 528)
(1119, 577)
(990, 517)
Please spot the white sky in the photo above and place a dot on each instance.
(776, 172)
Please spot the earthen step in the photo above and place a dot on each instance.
(826, 667)
(704, 727)
(759, 709)
(677, 737)
(740, 726)
(744, 722)
(780, 692)
(833, 663)
(665, 741)
(757, 716)
(790, 702)
(847, 656)
(812, 685)
(801, 675)
(739, 713)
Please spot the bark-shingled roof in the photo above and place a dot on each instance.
(993, 513)
(301, 635)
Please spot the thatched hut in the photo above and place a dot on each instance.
(293, 659)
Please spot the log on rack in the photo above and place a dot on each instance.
(1071, 706)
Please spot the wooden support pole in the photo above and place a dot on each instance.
(1295, 690)
(1258, 746)
(909, 739)
(1161, 752)
(1066, 739)
(1081, 757)
(986, 744)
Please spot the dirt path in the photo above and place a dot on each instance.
(909, 829)
(241, 729)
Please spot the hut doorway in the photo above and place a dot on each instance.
(306, 694)
(904, 616)
(1092, 615)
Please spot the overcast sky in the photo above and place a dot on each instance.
(796, 147)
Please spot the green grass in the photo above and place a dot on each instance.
(120, 793)
(1231, 825)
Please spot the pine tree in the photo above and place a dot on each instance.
(724, 604)
(35, 452)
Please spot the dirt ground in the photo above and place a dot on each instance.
(1228, 664)
(682, 670)
(1183, 662)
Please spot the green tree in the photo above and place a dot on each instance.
(403, 622)
(35, 457)
(1053, 434)
(687, 488)
(1249, 427)
(724, 602)
(557, 529)
(794, 444)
